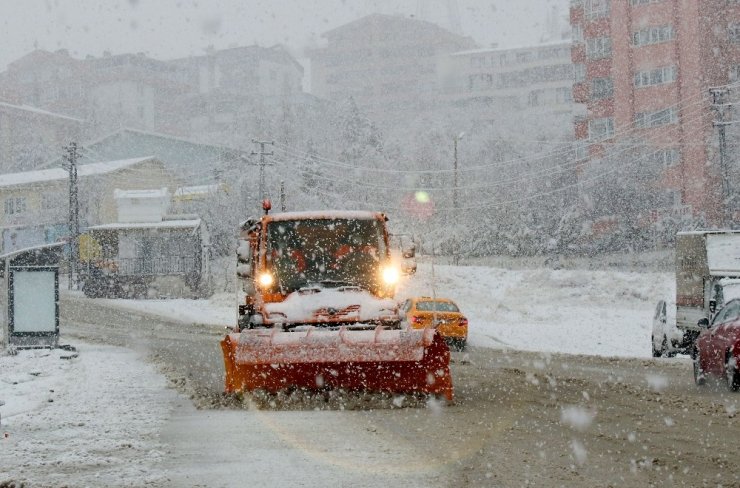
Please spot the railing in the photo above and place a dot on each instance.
(154, 266)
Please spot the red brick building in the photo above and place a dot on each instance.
(644, 69)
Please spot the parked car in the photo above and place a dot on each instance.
(717, 350)
(666, 337)
(442, 313)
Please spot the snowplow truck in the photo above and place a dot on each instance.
(317, 310)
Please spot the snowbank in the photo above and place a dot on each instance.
(92, 419)
(605, 313)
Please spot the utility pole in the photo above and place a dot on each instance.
(74, 211)
(262, 164)
(455, 140)
(282, 196)
(722, 108)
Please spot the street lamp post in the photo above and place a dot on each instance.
(455, 140)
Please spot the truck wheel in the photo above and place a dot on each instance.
(732, 375)
(656, 352)
(699, 377)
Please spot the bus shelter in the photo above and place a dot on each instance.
(29, 297)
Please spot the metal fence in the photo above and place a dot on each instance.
(155, 266)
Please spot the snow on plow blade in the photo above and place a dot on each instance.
(413, 361)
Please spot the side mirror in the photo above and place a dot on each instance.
(703, 323)
(244, 270)
(409, 252)
(712, 306)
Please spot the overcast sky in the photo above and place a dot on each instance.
(176, 28)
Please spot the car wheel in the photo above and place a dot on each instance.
(699, 377)
(732, 375)
(460, 344)
(656, 352)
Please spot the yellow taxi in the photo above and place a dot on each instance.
(441, 313)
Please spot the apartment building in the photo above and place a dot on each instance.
(386, 63)
(531, 84)
(644, 68)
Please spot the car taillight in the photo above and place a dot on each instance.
(463, 322)
(415, 319)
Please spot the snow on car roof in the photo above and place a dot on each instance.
(326, 214)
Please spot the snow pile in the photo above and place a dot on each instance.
(93, 419)
(302, 306)
(219, 310)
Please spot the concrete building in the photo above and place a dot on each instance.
(231, 84)
(387, 64)
(30, 136)
(36, 203)
(531, 84)
(644, 68)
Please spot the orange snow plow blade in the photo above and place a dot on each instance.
(413, 361)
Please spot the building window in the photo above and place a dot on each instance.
(658, 118)
(599, 48)
(581, 151)
(563, 95)
(653, 35)
(579, 72)
(596, 9)
(658, 76)
(735, 73)
(536, 98)
(49, 201)
(602, 88)
(577, 33)
(667, 157)
(733, 31)
(600, 129)
(15, 205)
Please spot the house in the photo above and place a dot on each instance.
(147, 252)
(36, 203)
(194, 163)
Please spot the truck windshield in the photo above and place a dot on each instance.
(328, 252)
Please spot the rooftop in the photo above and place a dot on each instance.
(54, 174)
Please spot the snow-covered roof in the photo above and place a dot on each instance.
(185, 191)
(54, 174)
(38, 111)
(497, 49)
(141, 194)
(165, 224)
(326, 214)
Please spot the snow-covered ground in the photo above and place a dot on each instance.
(107, 418)
(97, 416)
(604, 313)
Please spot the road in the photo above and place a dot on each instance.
(518, 419)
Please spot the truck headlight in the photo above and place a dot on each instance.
(265, 279)
(390, 275)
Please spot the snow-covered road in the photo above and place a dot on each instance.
(114, 422)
